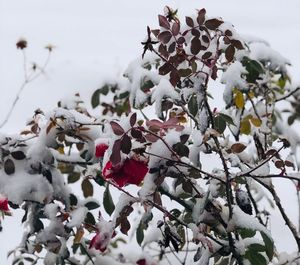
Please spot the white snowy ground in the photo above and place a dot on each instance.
(96, 39)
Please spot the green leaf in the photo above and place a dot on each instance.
(245, 127)
(269, 244)
(184, 72)
(220, 123)
(257, 248)
(89, 218)
(255, 258)
(254, 69)
(9, 167)
(73, 177)
(92, 205)
(193, 105)
(108, 202)
(227, 118)
(246, 232)
(140, 233)
(73, 199)
(87, 188)
(38, 225)
(28, 259)
(18, 155)
(95, 101)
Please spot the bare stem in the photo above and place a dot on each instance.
(27, 80)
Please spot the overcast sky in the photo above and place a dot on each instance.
(95, 40)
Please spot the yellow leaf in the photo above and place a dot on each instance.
(182, 119)
(61, 150)
(251, 94)
(78, 236)
(256, 122)
(239, 100)
(38, 248)
(245, 127)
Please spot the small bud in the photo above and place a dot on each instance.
(21, 44)
(49, 47)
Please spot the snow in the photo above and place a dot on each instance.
(232, 78)
(243, 220)
(88, 41)
(77, 217)
(162, 91)
(261, 51)
(22, 186)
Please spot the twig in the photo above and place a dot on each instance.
(288, 94)
(27, 80)
(262, 163)
(288, 222)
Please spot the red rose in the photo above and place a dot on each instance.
(100, 149)
(141, 262)
(4, 205)
(131, 172)
(97, 242)
(101, 240)
(145, 262)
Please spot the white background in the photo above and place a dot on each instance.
(95, 39)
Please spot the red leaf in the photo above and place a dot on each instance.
(126, 144)
(172, 47)
(195, 33)
(181, 40)
(165, 69)
(214, 73)
(163, 22)
(117, 129)
(206, 55)
(201, 16)
(175, 28)
(174, 78)
(132, 119)
(205, 39)
(165, 36)
(115, 157)
(195, 46)
(229, 53)
(155, 32)
(162, 49)
(189, 21)
(212, 24)
(228, 33)
(237, 44)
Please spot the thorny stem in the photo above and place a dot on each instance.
(228, 187)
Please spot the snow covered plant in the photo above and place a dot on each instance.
(176, 167)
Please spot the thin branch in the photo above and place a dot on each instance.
(288, 94)
(27, 80)
(262, 163)
(288, 222)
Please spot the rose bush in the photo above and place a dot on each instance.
(188, 186)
